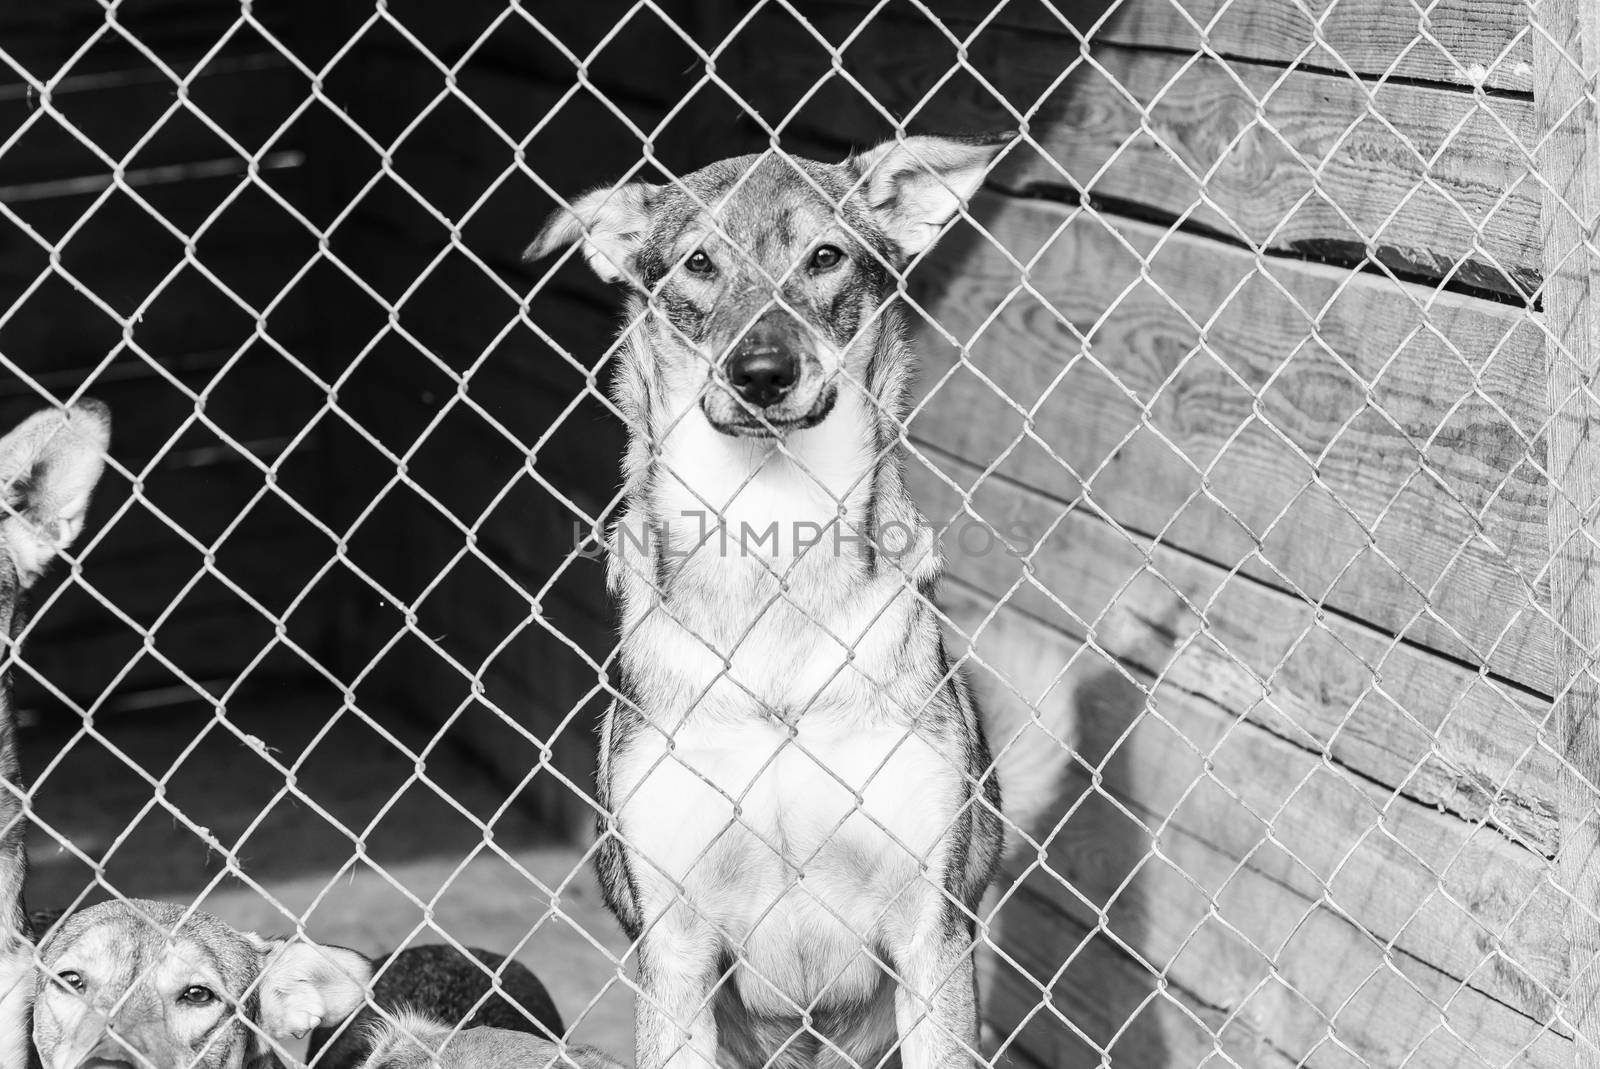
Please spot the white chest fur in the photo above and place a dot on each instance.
(803, 848)
(760, 602)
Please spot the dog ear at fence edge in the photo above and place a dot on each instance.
(915, 185)
(610, 222)
(304, 985)
(49, 465)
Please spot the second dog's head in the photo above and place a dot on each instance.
(765, 275)
(133, 982)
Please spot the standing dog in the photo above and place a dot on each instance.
(49, 465)
(130, 979)
(802, 809)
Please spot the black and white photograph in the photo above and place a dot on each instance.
(800, 534)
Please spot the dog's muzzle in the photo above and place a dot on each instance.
(763, 376)
(765, 363)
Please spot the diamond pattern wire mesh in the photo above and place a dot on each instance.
(1247, 378)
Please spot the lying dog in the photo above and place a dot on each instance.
(413, 1041)
(49, 466)
(451, 989)
(802, 809)
(130, 980)
(179, 988)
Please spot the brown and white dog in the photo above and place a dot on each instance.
(803, 809)
(131, 983)
(49, 465)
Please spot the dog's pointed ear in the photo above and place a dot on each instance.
(49, 466)
(610, 222)
(304, 985)
(915, 185)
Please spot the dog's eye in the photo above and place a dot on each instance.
(826, 258)
(196, 995)
(698, 263)
(71, 979)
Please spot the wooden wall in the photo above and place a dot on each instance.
(178, 295)
(1251, 367)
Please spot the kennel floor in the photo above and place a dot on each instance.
(370, 853)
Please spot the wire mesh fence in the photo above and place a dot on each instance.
(1249, 426)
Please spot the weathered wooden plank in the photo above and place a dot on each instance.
(1398, 715)
(535, 696)
(270, 556)
(207, 641)
(620, 38)
(1567, 61)
(1427, 180)
(1295, 1009)
(470, 321)
(1072, 994)
(1367, 445)
(1461, 42)
(1276, 835)
(568, 136)
(248, 94)
(138, 564)
(152, 408)
(42, 37)
(481, 622)
(121, 255)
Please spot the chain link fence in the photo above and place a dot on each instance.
(1251, 417)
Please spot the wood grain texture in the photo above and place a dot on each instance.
(1269, 883)
(1153, 637)
(1567, 61)
(1429, 181)
(496, 168)
(614, 38)
(1062, 995)
(1463, 42)
(210, 639)
(136, 271)
(41, 38)
(134, 116)
(1372, 447)
(1439, 732)
(531, 695)
(1325, 995)
(134, 559)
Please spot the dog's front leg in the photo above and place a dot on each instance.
(673, 1022)
(936, 1003)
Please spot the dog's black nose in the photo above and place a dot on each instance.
(762, 374)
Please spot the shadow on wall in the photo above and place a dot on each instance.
(1065, 982)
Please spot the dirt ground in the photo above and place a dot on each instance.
(289, 812)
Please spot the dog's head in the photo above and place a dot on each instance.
(49, 464)
(127, 983)
(765, 275)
